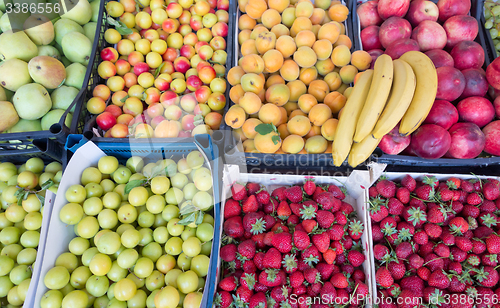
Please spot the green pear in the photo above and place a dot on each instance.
(2, 5)
(89, 30)
(54, 116)
(17, 45)
(75, 74)
(14, 73)
(77, 47)
(63, 97)
(8, 116)
(65, 26)
(39, 29)
(47, 71)
(26, 126)
(32, 101)
(95, 10)
(50, 51)
(15, 21)
(3, 95)
(77, 10)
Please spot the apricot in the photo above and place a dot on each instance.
(249, 146)
(286, 45)
(248, 48)
(252, 64)
(234, 75)
(324, 67)
(338, 12)
(323, 4)
(278, 94)
(299, 24)
(347, 73)
(256, 8)
(280, 30)
(319, 89)
(348, 92)
(235, 116)
(279, 5)
(306, 102)
(236, 93)
(319, 114)
(283, 131)
(329, 147)
(333, 80)
(243, 36)
(361, 60)
(288, 17)
(341, 55)
(343, 40)
(271, 18)
(269, 143)
(342, 27)
(252, 83)
(335, 100)
(250, 102)
(305, 57)
(292, 144)
(238, 134)
(290, 70)
(297, 88)
(307, 75)
(323, 49)
(167, 129)
(317, 16)
(242, 4)
(314, 131)
(248, 128)
(330, 32)
(246, 22)
(144, 131)
(284, 116)
(342, 88)
(274, 79)
(273, 60)
(304, 9)
(290, 107)
(316, 145)
(299, 125)
(305, 38)
(258, 30)
(297, 112)
(262, 95)
(265, 41)
(270, 113)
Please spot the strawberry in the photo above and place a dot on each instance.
(223, 299)
(396, 269)
(386, 188)
(247, 280)
(474, 199)
(493, 243)
(491, 191)
(271, 207)
(439, 279)
(403, 195)
(272, 259)
(232, 208)
(252, 188)
(340, 218)
(372, 192)
(329, 256)
(470, 211)
(294, 194)
(283, 210)
(250, 205)
(239, 192)
(233, 227)
(425, 192)
(263, 197)
(228, 252)
(336, 191)
(289, 263)
(312, 275)
(453, 183)
(279, 194)
(281, 293)
(321, 241)
(247, 249)
(356, 229)
(270, 277)
(378, 210)
(339, 281)
(403, 250)
(336, 232)
(311, 255)
(270, 221)
(436, 214)
(293, 220)
(445, 194)
(458, 225)
(409, 182)
(295, 208)
(328, 201)
(325, 219)
(309, 225)
(258, 300)
(249, 266)
(244, 294)
(355, 258)
(395, 206)
(413, 283)
(308, 212)
(309, 187)
(254, 223)
(487, 276)
(380, 251)
(442, 250)
(432, 230)
(229, 283)
(328, 291)
(421, 237)
(415, 261)
(383, 277)
(296, 279)
(301, 240)
(282, 242)
(314, 289)
(488, 206)
(258, 260)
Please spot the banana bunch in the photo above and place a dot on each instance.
(400, 91)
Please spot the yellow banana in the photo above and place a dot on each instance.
(403, 88)
(349, 117)
(362, 150)
(425, 91)
(377, 97)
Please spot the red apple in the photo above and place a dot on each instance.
(468, 54)
(368, 14)
(477, 110)
(187, 122)
(440, 58)
(375, 53)
(442, 113)
(223, 5)
(196, 22)
(450, 8)
(492, 134)
(392, 29)
(393, 143)
(475, 83)
(429, 35)
(106, 120)
(182, 64)
(187, 51)
(460, 28)
(493, 73)
(220, 29)
(370, 39)
(397, 48)
(421, 10)
(390, 8)
(162, 84)
(109, 54)
(202, 94)
(451, 83)
(467, 141)
(140, 68)
(193, 82)
(430, 141)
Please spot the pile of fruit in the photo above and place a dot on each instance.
(461, 122)
(164, 76)
(22, 198)
(293, 76)
(290, 248)
(142, 238)
(43, 67)
(436, 240)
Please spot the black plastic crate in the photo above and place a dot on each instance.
(47, 149)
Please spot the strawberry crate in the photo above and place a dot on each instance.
(354, 185)
(397, 177)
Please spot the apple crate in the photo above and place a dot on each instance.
(88, 154)
(43, 143)
(356, 196)
(398, 176)
(488, 164)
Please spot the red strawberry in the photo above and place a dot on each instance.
(258, 260)
(272, 259)
(493, 243)
(270, 278)
(281, 293)
(228, 252)
(325, 219)
(356, 229)
(312, 275)
(295, 208)
(453, 183)
(223, 299)
(283, 242)
(437, 214)
(309, 225)
(386, 188)
(289, 263)
(293, 220)
(309, 187)
(328, 291)
(336, 232)
(249, 266)
(336, 191)
(470, 211)
(329, 256)
(423, 273)
(247, 280)
(279, 194)
(233, 227)
(432, 230)
(250, 205)
(355, 258)
(458, 225)
(446, 195)
(403, 195)
(321, 241)
(380, 251)
(339, 281)
(439, 280)
(252, 188)
(263, 197)
(474, 199)
(294, 194)
(296, 279)
(384, 278)
(258, 300)
(442, 250)
(254, 223)
(284, 210)
(270, 207)
(403, 250)
(247, 249)
(395, 206)
(229, 283)
(328, 201)
(239, 192)
(340, 218)
(244, 294)
(491, 191)
(415, 261)
(378, 210)
(425, 192)
(421, 237)
(487, 276)
(413, 283)
(301, 240)
(409, 182)
(397, 270)
(372, 192)
(232, 208)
